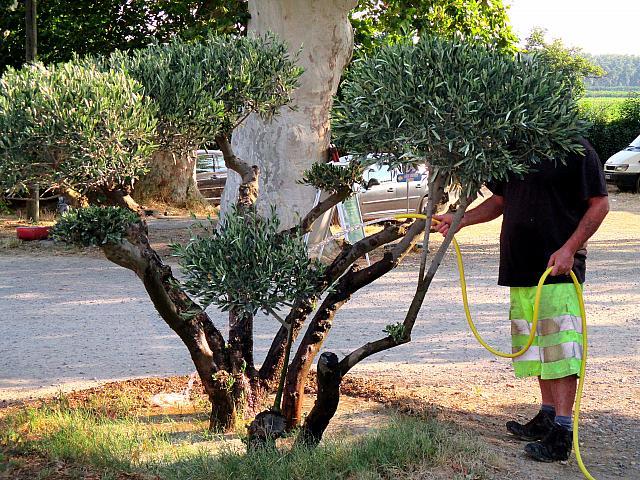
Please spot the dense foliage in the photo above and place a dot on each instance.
(73, 126)
(85, 27)
(376, 23)
(94, 226)
(206, 88)
(246, 265)
(609, 133)
(474, 114)
(570, 61)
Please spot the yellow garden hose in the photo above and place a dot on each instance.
(583, 363)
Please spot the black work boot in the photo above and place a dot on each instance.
(555, 447)
(535, 429)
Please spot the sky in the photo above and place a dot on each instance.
(603, 26)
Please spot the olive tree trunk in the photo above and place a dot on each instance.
(227, 387)
(298, 137)
(171, 179)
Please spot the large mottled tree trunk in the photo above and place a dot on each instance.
(296, 138)
(171, 179)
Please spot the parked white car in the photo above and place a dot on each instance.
(623, 168)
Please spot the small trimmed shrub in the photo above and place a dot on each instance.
(73, 126)
(247, 265)
(206, 88)
(94, 226)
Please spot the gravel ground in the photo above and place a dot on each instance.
(71, 321)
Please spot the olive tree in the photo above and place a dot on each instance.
(203, 91)
(471, 113)
(74, 129)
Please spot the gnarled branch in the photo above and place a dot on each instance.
(248, 190)
(355, 357)
(302, 308)
(316, 212)
(194, 327)
(322, 321)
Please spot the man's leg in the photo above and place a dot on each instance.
(547, 392)
(563, 392)
(539, 426)
(553, 353)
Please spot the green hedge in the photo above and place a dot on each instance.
(611, 132)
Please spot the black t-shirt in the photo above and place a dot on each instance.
(541, 212)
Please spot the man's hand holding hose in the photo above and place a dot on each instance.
(444, 223)
(561, 260)
(491, 208)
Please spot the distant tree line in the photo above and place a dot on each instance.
(622, 71)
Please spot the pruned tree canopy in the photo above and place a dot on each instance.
(474, 114)
(72, 126)
(207, 88)
(246, 265)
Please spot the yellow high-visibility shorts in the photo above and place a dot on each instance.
(556, 351)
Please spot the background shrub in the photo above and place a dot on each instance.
(73, 126)
(94, 226)
(613, 127)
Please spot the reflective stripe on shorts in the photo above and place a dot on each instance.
(557, 347)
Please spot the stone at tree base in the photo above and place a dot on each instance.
(265, 429)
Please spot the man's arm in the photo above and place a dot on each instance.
(562, 259)
(491, 208)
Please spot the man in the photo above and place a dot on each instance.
(548, 216)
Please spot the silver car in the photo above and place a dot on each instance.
(389, 191)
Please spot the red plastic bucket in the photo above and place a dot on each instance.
(32, 233)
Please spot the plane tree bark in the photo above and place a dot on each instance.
(320, 34)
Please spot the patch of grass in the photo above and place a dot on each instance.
(611, 92)
(92, 435)
(607, 108)
(601, 101)
(9, 243)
